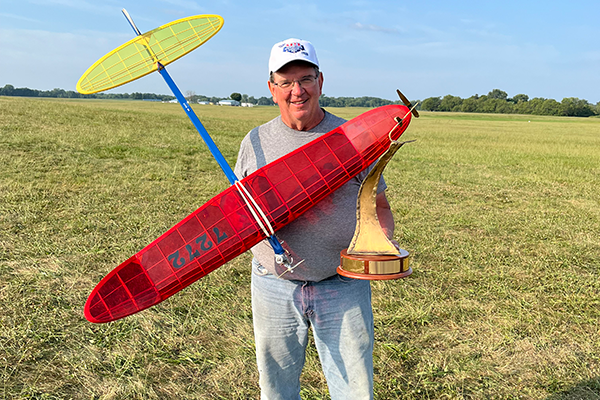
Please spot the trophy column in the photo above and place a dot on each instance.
(371, 255)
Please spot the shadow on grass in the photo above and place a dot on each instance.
(588, 390)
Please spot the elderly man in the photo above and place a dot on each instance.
(285, 304)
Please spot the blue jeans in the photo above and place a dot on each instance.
(339, 311)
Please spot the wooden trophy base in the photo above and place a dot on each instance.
(373, 267)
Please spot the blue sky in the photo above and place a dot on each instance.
(366, 48)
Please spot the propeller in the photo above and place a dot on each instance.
(407, 103)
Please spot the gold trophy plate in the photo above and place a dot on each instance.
(373, 267)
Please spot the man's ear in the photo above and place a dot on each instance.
(320, 83)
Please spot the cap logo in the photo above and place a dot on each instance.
(293, 48)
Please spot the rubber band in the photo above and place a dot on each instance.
(254, 207)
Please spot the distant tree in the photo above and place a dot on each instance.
(491, 105)
(550, 107)
(520, 98)
(57, 92)
(480, 102)
(26, 92)
(505, 107)
(469, 105)
(235, 96)
(326, 101)
(450, 103)
(244, 98)
(498, 94)
(265, 101)
(574, 107)
(7, 90)
(431, 104)
(523, 107)
(535, 105)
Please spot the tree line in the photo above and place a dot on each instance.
(364, 101)
(192, 97)
(10, 90)
(497, 101)
(324, 101)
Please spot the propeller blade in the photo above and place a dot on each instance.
(407, 103)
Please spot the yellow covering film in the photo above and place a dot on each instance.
(139, 56)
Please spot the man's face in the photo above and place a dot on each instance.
(299, 106)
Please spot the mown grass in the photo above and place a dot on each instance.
(500, 212)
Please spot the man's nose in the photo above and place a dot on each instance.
(297, 89)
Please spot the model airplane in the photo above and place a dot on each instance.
(253, 208)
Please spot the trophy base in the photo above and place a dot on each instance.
(374, 267)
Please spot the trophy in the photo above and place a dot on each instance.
(371, 255)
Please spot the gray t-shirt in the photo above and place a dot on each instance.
(318, 235)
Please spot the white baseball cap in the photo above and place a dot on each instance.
(291, 50)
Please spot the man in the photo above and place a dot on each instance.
(286, 304)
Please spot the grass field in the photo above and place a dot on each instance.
(500, 212)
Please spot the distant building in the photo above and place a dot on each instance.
(247, 105)
(228, 103)
(203, 102)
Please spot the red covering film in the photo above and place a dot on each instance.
(224, 227)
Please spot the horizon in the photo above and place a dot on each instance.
(258, 97)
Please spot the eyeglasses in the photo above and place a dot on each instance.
(305, 82)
